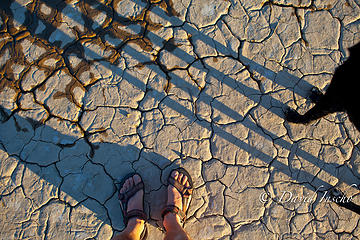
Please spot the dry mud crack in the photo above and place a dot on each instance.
(93, 90)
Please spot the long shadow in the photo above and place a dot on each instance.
(284, 80)
(222, 108)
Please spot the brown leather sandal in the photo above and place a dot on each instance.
(135, 213)
(185, 192)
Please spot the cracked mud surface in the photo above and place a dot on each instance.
(93, 90)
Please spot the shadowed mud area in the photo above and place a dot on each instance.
(93, 90)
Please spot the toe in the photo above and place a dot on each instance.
(124, 187)
(184, 180)
(136, 179)
(131, 182)
(122, 190)
(175, 175)
(127, 184)
(180, 178)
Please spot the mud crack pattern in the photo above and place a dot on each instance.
(92, 90)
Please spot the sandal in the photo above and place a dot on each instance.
(124, 199)
(186, 193)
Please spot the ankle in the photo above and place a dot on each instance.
(171, 221)
(134, 226)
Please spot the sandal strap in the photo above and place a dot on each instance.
(184, 191)
(136, 213)
(173, 209)
(124, 197)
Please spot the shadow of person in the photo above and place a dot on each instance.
(341, 95)
(50, 173)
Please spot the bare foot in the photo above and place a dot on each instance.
(135, 226)
(136, 201)
(175, 198)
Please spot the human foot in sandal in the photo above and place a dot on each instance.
(178, 201)
(131, 196)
